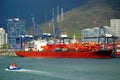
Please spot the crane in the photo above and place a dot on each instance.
(57, 31)
(36, 30)
(15, 29)
(103, 35)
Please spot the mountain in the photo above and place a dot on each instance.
(93, 14)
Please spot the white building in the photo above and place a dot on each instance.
(3, 37)
(115, 26)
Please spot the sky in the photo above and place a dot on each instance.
(41, 9)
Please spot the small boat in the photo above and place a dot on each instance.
(12, 67)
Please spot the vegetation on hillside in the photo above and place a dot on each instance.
(93, 14)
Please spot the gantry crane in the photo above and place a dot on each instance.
(15, 30)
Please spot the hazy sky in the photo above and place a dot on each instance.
(41, 9)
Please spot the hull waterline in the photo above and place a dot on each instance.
(74, 54)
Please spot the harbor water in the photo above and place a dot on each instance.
(60, 69)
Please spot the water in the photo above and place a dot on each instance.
(60, 69)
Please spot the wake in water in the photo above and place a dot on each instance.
(36, 72)
(32, 71)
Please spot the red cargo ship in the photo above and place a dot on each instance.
(64, 48)
(68, 51)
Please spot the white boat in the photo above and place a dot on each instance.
(12, 67)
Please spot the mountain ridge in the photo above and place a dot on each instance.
(94, 13)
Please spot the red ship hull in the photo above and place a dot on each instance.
(66, 54)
